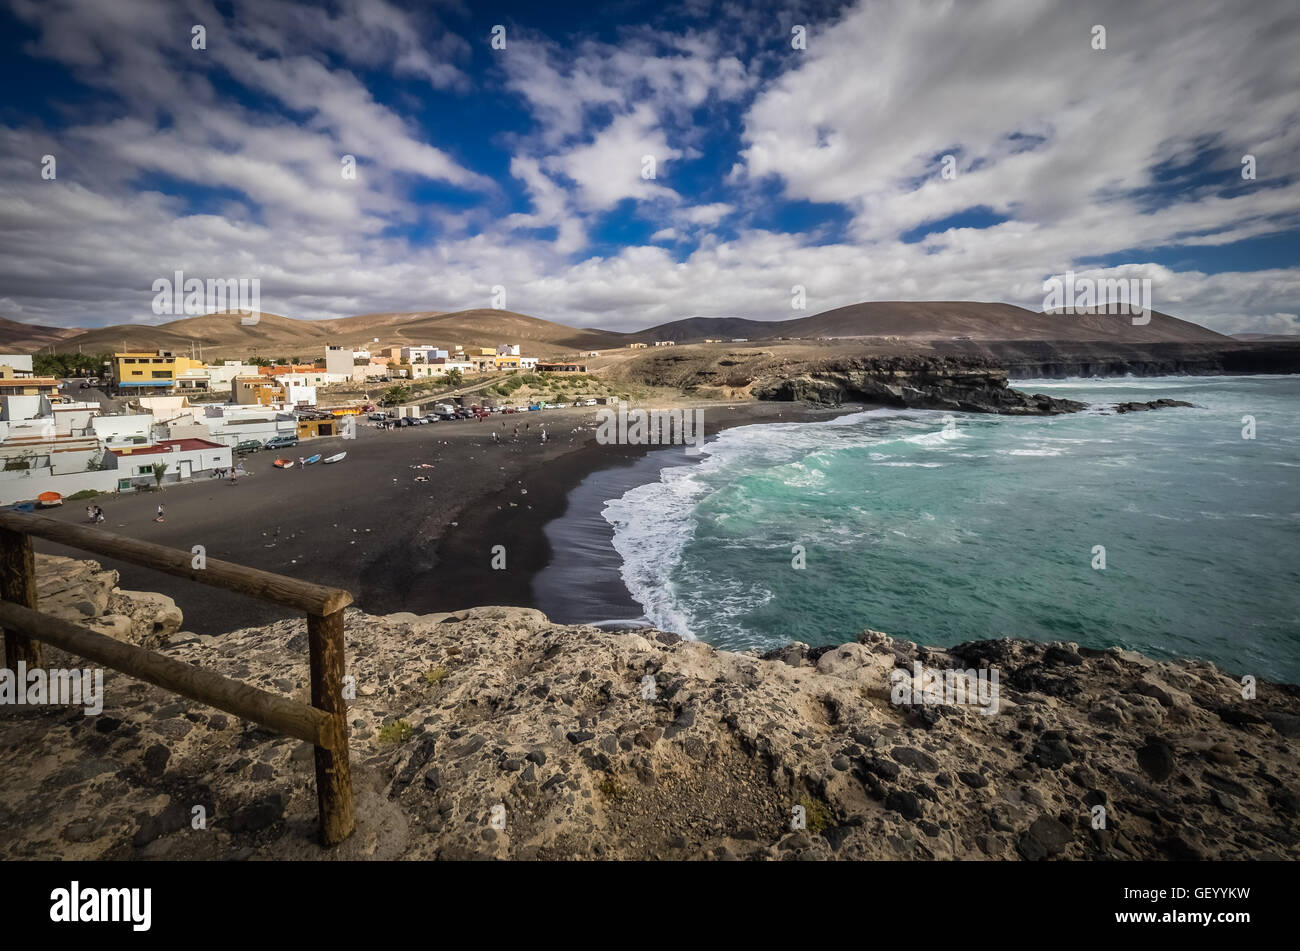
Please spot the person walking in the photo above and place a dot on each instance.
(302, 463)
(160, 513)
(90, 513)
(99, 514)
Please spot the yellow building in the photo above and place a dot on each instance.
(154, 370)
(28, 386)
(507, 362)
(315, 428)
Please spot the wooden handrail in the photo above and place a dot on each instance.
(323, 723)
(250, 703)
(278, 589)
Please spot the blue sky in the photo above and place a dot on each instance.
(775, 163)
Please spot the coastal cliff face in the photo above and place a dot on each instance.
(1028, 359)
(959, 384)
(492, 733)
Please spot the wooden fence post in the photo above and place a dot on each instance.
(333, 771)
(18, 584)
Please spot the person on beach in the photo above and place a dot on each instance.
(90, 513)
(99, 514)
(301, 462)
(160, 513)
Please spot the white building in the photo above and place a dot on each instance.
(20, 363)
(219, 377)
(441, 367)
(184, 458)
(508, 350)
(231, 425)
(115, 431)
(423, 354)
(528, 363)
(338, 361)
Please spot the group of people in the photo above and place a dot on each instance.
(496, 438)
(233, 473)
(94, 514)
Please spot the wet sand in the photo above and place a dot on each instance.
(368, 526)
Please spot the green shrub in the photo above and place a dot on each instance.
(396, 731)
(435, 676)
(816, 813)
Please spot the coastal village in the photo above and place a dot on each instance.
(156, 418)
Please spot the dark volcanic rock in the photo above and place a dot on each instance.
(959, 384)
(1156, 758)
(1149, 405)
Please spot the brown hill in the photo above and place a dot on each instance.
(227, 336)
(16, 337)
(928, 320)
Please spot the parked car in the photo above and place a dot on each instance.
(588, 403)
(430, 417)
(377, 417)
(248, 445)
(280, 442)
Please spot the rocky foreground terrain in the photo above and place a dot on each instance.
(492, 733)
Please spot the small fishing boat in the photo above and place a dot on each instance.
(283, 463)
(310, 460)
(49, 499)
(23, 507)
(339, 458)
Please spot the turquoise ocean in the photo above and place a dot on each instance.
(942, 531)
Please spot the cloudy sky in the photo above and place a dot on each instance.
(529, 167)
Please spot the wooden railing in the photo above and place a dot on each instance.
(323, 723)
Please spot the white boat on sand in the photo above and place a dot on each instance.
(338, 458)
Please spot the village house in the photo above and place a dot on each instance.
(184, 458)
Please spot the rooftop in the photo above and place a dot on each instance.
(165, 445)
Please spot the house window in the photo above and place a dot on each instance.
(162, 374)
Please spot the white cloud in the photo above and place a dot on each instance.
(857, 120)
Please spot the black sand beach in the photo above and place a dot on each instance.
(368, 526)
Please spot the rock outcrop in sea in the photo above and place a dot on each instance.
(493, 733)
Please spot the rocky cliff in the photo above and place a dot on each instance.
(959, 384)
(494, 733)
(1030, 359)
